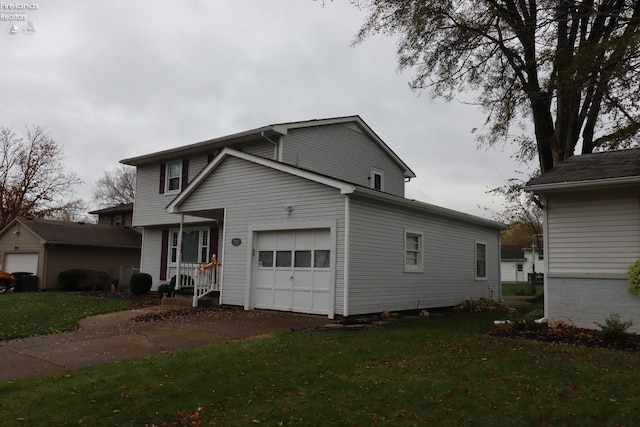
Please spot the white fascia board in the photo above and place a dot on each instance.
(173, 207)
(429, 208)
(579, 185)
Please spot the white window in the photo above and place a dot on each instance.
(174, 175)
(481, 261)
(117, 220)
(195, 246)
(376, 179)
(413, 252)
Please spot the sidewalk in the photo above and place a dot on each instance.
(115, 336)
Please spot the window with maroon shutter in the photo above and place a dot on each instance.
(163, 177)
(185, 174)
(164, 254)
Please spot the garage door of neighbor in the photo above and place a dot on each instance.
(15, 263)
(293, 271)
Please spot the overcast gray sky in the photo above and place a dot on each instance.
(115, 79)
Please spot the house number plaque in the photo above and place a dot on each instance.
(236, 241)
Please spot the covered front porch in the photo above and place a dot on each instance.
(198, 263)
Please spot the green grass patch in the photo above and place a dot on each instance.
(521, 291)
(37, 313)
(435, 371)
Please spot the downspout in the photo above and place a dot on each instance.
(276, 151)
(179, 254)
(347, 231)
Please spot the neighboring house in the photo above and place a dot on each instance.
(309, 217)
(591, 236)
(45, 248)
(516, 263)
(119, 216)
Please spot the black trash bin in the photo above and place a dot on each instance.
(25, 282)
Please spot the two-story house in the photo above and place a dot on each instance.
(308, 217)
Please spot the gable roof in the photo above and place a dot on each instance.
(511, 253)
(588, 170)
(79, 234)
(344, 187)
(124, 208)
(173, 207)
(274, 130)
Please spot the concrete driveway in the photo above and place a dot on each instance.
(116, 336)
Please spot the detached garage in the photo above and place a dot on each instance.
(45, 248)
(21, 262)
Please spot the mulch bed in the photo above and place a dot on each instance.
(566, 334)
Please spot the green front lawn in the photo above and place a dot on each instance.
(37, 313)
(440, 371)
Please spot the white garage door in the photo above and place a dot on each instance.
(293, 271)
(15, 263)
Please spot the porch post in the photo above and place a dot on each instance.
(179, 254)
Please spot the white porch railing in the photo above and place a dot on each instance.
(206, 278)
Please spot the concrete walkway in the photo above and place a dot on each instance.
(116, 336)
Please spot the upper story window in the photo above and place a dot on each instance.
(174, 173)
(413, 252)
(173, 176)
(117, 220)
(481, 260)
(376, 179)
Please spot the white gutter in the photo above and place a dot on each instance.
(558, 186)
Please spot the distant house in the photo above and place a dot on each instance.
(591, 236)
(308, 217)
(517, 263)
(119, 216)
(45, 248)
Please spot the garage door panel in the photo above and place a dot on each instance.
(299, 277)
(321, 280)
(302, 300)
(320, 301)
(21, 262)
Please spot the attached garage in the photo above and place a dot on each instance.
(293, 270)
(21, 262)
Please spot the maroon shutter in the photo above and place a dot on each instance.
(164, 254)
(213, 243)
(163, 171)
(185, 174)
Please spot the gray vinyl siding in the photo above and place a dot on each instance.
(150, 205)
(254, 195)
(592, 233)
(376, 260)
(342, 152)
(151, 252)
(263, 149)
(585, 302)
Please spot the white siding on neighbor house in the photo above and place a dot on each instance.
(342, 152)
(586, 302)
(376, 260)
(592, 233)
(531, 263)
(151, 251)
(150, 205)
(257, 196)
